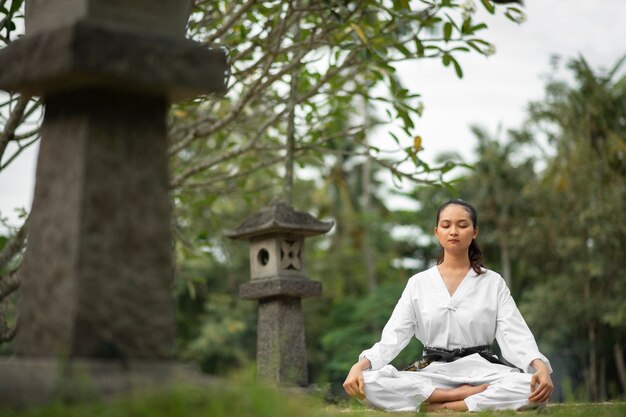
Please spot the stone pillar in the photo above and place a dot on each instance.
(98, 270)
(279, 282)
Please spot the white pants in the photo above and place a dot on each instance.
(393, 390)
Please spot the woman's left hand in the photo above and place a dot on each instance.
(541, 386)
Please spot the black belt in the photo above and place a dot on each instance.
(431, 354)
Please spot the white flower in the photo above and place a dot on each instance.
(468, 7)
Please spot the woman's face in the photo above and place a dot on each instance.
(455, 229)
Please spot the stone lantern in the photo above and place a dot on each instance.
(96, 311)
(278, 280)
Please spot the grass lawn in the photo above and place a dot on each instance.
(557, 410)
(255, 401)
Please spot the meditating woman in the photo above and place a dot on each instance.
(456, 309)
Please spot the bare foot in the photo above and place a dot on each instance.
(467, 390)
(444, 407)
(447, 395)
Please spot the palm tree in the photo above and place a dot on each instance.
(583, 190)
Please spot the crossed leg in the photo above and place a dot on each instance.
(451, 399)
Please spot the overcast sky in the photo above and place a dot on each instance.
(494, 91)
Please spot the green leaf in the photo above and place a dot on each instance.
(450, 188)
(489, 6)
(404, 4)
(397, 179)
(515, 9)
(447, 167)
(481, 41)
(419, 47)
(466, 26)
(472, 43)
(404, 50)
(478, 27)
(365, 54)
(457, 67)
(431, 47)
(446, 60)
(447, 31)
(357, 29)
(515, 15)
(15, 5)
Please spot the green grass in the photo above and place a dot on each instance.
(247, 400)
(555, 410)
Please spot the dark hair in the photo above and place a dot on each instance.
(474, 253)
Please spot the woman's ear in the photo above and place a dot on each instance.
(475, 232)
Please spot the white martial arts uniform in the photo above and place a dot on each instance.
(480, 310)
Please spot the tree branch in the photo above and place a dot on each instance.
(265, 164)
(259, 84)
(21, 148)
(9, 284)
(225, 26)
(239, 174)
(394, 170)
(26, 135)
(247, 97)
(14, 246)
(16, 117)
(179, 180)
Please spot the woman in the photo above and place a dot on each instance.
(455, 309)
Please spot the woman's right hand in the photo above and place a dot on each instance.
(354, 385)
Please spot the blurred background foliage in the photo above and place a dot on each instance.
(550, 196)
(309, 82)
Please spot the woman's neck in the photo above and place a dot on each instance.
(455, 262)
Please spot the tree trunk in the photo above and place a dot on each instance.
(291, 127)
(366, 183)
(602, 395)
(592, 377)
(291, 142)
(368, 255)
(618, 354)
(506, 260)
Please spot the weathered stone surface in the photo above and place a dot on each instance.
(97, 273)
(165, 17)
(281, 348)
(280, 286)
(277, 254)
(81, 55)
(279, 218)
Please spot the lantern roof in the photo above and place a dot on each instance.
(278, 217)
